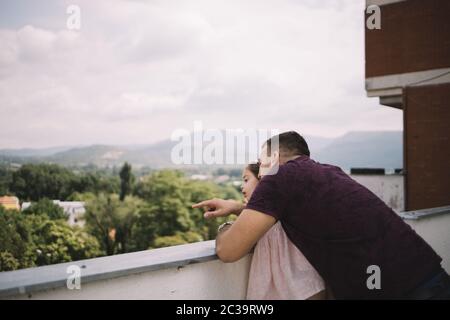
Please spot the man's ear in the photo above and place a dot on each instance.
(275, 162)
(275, 159)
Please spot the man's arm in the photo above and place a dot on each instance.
(235, 241)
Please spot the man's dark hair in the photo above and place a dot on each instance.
(290, 143)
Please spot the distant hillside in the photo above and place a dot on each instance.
(364, 149)
(29, 152)
(316, 144)
(100, 155)
(355, 149)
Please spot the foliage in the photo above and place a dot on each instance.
(177, 239)
(16, 249)
(36, 240)
(126, 180)
(57, 242)
(32, 182)
(170, 196)
(45, 207)
(5, 180)
(121, 215)
(111, 220)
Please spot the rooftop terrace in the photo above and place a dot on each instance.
(191, 271)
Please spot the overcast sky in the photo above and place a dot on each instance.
(138, 70)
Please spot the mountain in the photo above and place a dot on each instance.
(30, 152)
(316, 144)
(354, 149)
(379, 149)
(100, 155)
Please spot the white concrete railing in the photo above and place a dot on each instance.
(387, 187)
(190, 271)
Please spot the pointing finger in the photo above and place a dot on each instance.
(201, 204)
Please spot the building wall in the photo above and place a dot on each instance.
(388, 188)
(414, 36)
(408, 66)
(427, 146)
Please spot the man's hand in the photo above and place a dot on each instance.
(220, 208)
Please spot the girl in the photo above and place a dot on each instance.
(278, 269)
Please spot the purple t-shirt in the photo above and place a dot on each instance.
(342, 228)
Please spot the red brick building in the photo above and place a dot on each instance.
(408, 67)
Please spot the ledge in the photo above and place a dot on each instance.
(31, 280)
(424, 213)
(53, 276)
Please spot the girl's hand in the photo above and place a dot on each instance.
(219, 207)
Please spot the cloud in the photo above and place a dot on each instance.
(137, 70)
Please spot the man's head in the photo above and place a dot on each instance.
(281, 148)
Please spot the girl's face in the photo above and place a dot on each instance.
(249, 183)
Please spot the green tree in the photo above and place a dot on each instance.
(170, 195)
(145, 229)
(177, 239)
(111, 221)
(8, 262)
(46, 207)
(85, 196)
(201, 190)
(164, 218)
(126, 180)
(5, 180)
(161, 183)
(165, 193)
(35, 181)
(16, 246)
(34, 240)
(56, 242)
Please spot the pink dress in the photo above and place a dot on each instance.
(279, 271)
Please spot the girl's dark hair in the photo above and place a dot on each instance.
(254, 169)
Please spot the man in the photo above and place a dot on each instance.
(346, 232)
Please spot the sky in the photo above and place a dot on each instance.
(136, 71)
